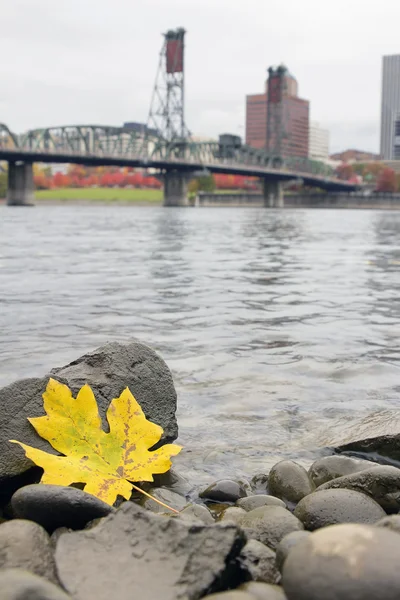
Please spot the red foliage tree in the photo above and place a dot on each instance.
(386, 181)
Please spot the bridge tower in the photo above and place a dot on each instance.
(167, 109)
(167, 113)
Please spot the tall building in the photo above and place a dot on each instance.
(278, 120)
(390, 108)
(318, 142)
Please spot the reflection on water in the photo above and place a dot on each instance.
(277, 325)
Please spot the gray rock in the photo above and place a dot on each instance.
(170, 498)
(225, 490)
(54, 506)
(161, 557)
(26, 545)
(173, 481)
(259, 562)
(286, 544)
(252, 502)
(331, 507)
(233, 514)
(263, 591)
(108, 370)
(197, 513)
(376, 434)
(344, 562)
(17, 584)
(289, 481)
(57, 533)
(380, 483)
(391, 522)
(330, 467)
(269, 524)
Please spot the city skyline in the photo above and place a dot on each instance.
(95, 62)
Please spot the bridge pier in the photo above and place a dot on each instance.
(20, 184)
(176, 188)
(273, 194)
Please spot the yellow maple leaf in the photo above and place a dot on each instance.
(107, 463)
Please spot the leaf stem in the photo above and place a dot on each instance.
(155, 499)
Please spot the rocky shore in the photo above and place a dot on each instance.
(329, 532)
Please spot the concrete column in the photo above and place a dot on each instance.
(20, 184)
(273, 194)
(176, 188)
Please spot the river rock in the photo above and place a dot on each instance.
(330, 507)
(258, 500)
(54, 506)
(197, 513)
(225, 490)
(234, 514)
(162, 557)
(391, 522)
(376, 434)
(344, 562)
(269, 524)
(286, 544)
(108, 370)
(26, 545)
(17, 584)
(330, 467)
(289, 481)
(380, 483)
(170, 498)
(263, 591)
(173, 481)
(259, 562)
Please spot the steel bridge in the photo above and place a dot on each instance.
(117, 146)
(164, 145)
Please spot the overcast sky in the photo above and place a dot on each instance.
(94, 61)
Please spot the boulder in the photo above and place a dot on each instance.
(252, 502)
(108, 370)
(196, 513)
(162, 557)
(289, 481)
(233, 514)
(259, 562)
(17, 584)
(344, 562)
(269, 524)
(172, 499)
(330, 467)
(286, 544)
(380, 483)
(263, 591)
(26, 545)
(331, 507)
(376, 434)
(224, 490)
(54, 506)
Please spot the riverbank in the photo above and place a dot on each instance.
(99, 195)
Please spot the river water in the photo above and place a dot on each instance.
(277, 325)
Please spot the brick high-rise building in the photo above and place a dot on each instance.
(278, 120)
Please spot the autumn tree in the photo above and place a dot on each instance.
(386, 181)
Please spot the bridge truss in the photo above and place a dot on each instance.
(114, 143)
